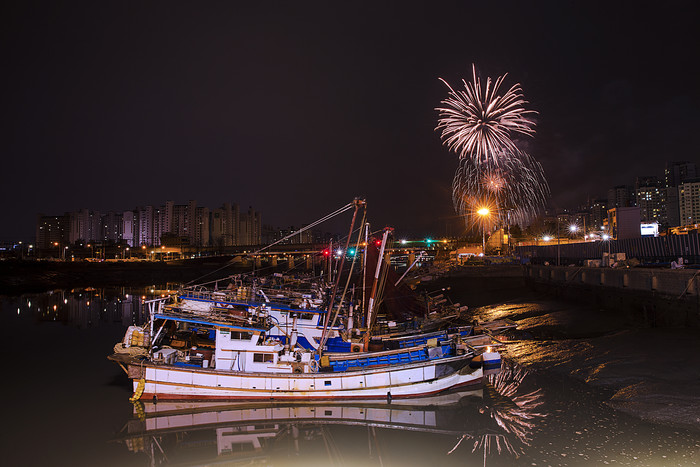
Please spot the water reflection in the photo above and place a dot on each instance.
(539, 417)
(497, 420)
(87, 307)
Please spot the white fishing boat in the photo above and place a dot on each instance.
(237, 360)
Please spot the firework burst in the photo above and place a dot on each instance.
(514, 192)
(479, 124)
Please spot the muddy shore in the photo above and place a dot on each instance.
(647, 372)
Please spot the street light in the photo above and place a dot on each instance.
(483, 212)
(606, 238)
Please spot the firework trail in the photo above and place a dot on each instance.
(480, 125)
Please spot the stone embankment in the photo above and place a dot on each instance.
(649, 297)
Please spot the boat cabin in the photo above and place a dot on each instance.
(197, 341)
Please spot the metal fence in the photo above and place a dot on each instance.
(647, 250)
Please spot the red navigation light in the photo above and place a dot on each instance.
(326, 252)
(378, 242)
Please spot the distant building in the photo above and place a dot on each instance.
(624, 223)
(112, 227)
(225, 225)
(51, 230)
(619, 197)
(200, 227)
(599, 213)
(680, 171)
(85, 225)
(689, 201)
(145, 226)
(250, 232)
(130, 228)
(649, 195)
(676, 173)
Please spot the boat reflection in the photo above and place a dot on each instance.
(496, 420)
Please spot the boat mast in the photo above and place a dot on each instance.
(364, 271)
(357, 202)
(372, 295)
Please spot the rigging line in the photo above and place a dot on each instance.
(314, 224)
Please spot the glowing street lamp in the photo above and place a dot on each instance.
(606, 238)
(483, 212)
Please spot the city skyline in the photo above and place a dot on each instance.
(152, 225)
(297, 109)
(669, 201)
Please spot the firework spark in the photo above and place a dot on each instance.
(480, 125)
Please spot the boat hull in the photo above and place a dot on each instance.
(167, 382)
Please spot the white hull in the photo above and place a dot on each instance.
(411, 380)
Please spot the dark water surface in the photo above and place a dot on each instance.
(564, 398)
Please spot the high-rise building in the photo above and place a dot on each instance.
(649, 195)
(181, 220)
(680, 171)
(689, 201)
(85, 225)
(130, 228)
(200, 228)
(225, 225)
(146, 226)
(51, 230)
(618, 197)
(599, 213)
(250, 232)
(112, 227)
(676, 173)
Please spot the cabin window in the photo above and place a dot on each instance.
(244, 336)
(328, 383)
(307, 316)
(263, 357)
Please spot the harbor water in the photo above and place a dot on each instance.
(578, 387)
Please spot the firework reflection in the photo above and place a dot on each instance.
(515, 411)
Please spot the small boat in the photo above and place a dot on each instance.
(234, 358)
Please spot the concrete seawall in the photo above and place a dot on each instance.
(648, 297)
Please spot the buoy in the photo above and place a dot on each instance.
(139, 390)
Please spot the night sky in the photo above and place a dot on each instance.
(295, 108)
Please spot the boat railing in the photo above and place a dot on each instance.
(218, 315)
(246, 295)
